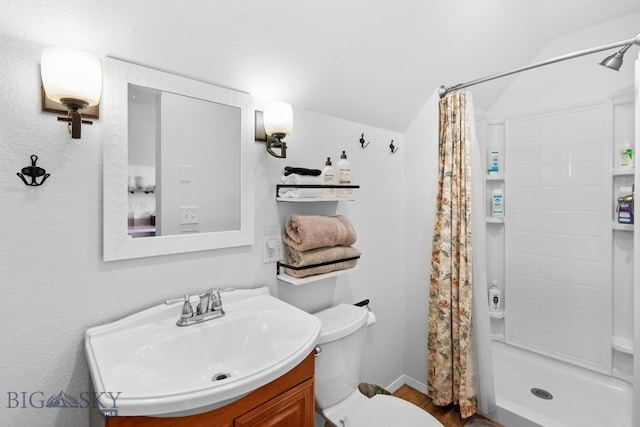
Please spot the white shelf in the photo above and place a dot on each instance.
(493, 220)
(140, 229)
(497, 337)
(622, 344)
(311, 199)
(314, 199)
(621, 227)
(496, 314)
(498, 177)
(309, 279)
(622, 171)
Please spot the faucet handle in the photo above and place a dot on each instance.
(187, 309)
(216, 300)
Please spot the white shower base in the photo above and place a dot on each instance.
(581, 398)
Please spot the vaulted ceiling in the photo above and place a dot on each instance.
(371, 61)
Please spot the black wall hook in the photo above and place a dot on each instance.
(34, 172)
(362, 141)
(393, 148)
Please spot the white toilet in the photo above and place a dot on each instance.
(337, 365)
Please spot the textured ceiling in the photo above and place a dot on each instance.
(370, 61)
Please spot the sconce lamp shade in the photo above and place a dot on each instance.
(71, 77)
(278, 119)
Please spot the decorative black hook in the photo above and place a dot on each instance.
(362, 141)
(393, 148)
(34, 172)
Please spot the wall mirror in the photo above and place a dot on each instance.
(178, 164)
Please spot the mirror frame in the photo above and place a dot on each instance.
(117, 245)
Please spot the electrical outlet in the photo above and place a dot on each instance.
(272, 249)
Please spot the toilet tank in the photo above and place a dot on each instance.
(341, 342)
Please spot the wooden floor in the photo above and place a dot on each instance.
(449, 416)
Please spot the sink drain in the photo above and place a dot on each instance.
(221, 376)
(542, 394)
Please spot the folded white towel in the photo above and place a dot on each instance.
(301, 179)
(295, 193)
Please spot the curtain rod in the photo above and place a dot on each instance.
(443, 90)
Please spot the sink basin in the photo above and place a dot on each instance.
(164, 370)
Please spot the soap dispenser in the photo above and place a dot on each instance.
(344, 177)
(328, 178)
(495, 297)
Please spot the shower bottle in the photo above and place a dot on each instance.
(495, 297)
(497, 204)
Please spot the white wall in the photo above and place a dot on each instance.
(421, 179)
(575, 81)
(55, 284)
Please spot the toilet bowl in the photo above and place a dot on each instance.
(337, 369)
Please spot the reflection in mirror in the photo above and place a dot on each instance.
(183, 164)
(178, 164)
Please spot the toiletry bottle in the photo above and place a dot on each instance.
(494, 162)
(328, 178)
(495, 297)
(625, 209)
(344, 177)
(624, 205)
(626, 156)
(497, 204)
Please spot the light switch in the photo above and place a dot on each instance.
(189, 215)
(185, 173)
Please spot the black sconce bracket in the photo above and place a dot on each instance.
(34, 172)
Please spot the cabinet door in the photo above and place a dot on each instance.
(294, 408)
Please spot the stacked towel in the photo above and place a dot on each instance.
(305, 232)
(320, 256)
(318, 241)
(300, 176)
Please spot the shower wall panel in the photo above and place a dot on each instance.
(558, 234)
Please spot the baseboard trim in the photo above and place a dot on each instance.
(411, 382)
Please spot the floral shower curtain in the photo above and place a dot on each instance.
(451, 360)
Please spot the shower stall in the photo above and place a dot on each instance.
(563, 337)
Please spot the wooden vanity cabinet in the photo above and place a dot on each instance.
(287, 401)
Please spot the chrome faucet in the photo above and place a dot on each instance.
(209, 307)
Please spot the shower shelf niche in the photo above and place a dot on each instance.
(499, 177)
(492, 220)
(621, 227)
(499, 181)
(497, 314)
(621, 344)
(623, 171)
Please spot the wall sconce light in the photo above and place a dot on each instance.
(71, 78)
(273, 125)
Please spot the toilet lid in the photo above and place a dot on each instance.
(383, 410)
